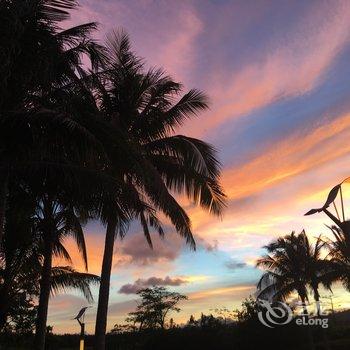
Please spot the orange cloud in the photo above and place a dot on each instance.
(290, 157)
(219, 291)
(269, 194)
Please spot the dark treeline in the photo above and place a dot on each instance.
(245, 334)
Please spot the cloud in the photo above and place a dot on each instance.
(208, 246)
(133, 288)
(270, 191)
(291, 64)
(294, 155)
(135, 250)
(163, 32)
(235, 265)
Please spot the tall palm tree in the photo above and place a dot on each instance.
(144, 108)
(294, 264)
(36, 140)
(36, 56)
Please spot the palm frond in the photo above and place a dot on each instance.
(65, 277)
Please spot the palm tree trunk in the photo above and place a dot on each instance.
(45, 287)
(103, 296)
(317, 300)
(318, 306)
(309, 336)
(3, 202)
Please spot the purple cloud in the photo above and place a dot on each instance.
(133, 288)
(135, 250)
(235, 265)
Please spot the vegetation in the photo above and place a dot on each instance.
(294, 265)
(88, 132)
(156, 303)
(81, 142)
(208, 332)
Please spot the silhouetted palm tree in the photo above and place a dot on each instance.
(293, 265)
(23, 254)
(285, 269)
(141, 107)
(55, 219)
(52, 211)
(339, 255)
(36, 56)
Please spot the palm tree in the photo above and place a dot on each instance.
(141, 108)
(293, 264)
(36, 57)
(36, 140)
(285, 267)
(55, 220)
(22, 257)
(339, 255)
(41, 214)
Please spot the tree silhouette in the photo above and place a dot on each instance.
(156, 303)
(339, 256)
(142, 111)
(36, 57)
(293, 264)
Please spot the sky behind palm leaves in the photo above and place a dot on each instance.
(278, 78)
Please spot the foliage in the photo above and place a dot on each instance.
(22, 314)
(21, 260)
(249, 310)
(83, 143)
(339, 256)
(156, 303)
(293, 264)
(123, 328)
(143, 108)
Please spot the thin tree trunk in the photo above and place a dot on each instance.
(45, 287)
(102, 308)
(323, 330)
(310, 338)
(305, 312)
(3, 202)
(317, 300)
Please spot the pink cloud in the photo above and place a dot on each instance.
(133, 288)
(162, 32)
(289, 66)
(135, 250)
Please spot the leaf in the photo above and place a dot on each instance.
(347, 180)
(332, 196)
(330, 199)
(313, 211)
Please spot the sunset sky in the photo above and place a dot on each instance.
(278, 77)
